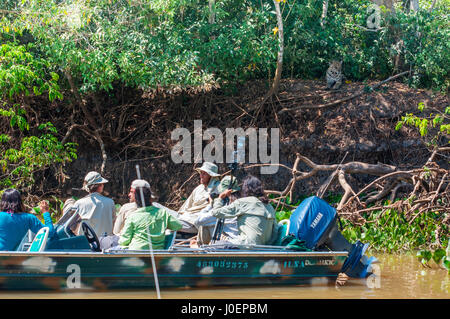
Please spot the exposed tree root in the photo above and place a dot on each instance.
(430, 188)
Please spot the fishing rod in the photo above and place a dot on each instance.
(155, 275)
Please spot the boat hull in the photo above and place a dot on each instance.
(106, 271)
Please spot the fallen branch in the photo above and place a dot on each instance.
(429, 184)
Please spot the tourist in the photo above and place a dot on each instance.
(146, 222)
(255, 216)
(127, 209)
(15, 223)
(206, 222)
(199, 197)
(95, 209)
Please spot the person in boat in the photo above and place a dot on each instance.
(15, 223)
(146, 222)
(199, 198)
(256, 219)
(127, 209)
(95, 208)
(206, 222)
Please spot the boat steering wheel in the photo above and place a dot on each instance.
(90, 236)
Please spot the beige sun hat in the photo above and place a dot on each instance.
(210, 168)
(93, 178)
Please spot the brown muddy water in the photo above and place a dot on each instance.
(399, 277)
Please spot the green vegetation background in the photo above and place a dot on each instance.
(172, 44)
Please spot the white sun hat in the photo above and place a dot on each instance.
(141, 183)
(210, 168)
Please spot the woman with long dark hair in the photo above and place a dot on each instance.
(255, 216)
(15, 223)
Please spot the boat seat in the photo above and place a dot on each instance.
(283, 231)
(169, 240)
(40, 240)
(26, 241)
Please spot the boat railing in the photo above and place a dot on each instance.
(244, 250)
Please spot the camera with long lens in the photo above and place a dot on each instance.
(214, 193)
(233, 166)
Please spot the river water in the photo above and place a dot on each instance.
(398, 276)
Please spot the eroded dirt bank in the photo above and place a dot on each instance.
(364, 127)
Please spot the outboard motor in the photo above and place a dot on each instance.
(314, 221)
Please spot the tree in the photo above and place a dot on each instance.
(279, 69)
(28, 146)
(99, 47)
(414, 5)
(324, 13)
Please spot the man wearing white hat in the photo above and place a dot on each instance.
(127, 209)
(199, 198)
(96, 209)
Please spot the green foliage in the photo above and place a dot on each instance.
(25, 152)
(35, 153)
(172, 43)
(420, 40)
(392, 232)
(149, 44)
(439, 256)
(438, 121)
(21, 73)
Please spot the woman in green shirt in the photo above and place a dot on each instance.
(255, 216)
(134, 235)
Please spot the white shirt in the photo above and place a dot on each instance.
(206, 219)
(198, 200)
(98, 211)
(122, 216)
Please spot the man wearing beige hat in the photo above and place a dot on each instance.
(199, 198)
(96, 209)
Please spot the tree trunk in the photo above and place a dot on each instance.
(324, 13)
(212, 9)
(276, 81)
(389, 4)
(432, 6)
(414, 5)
